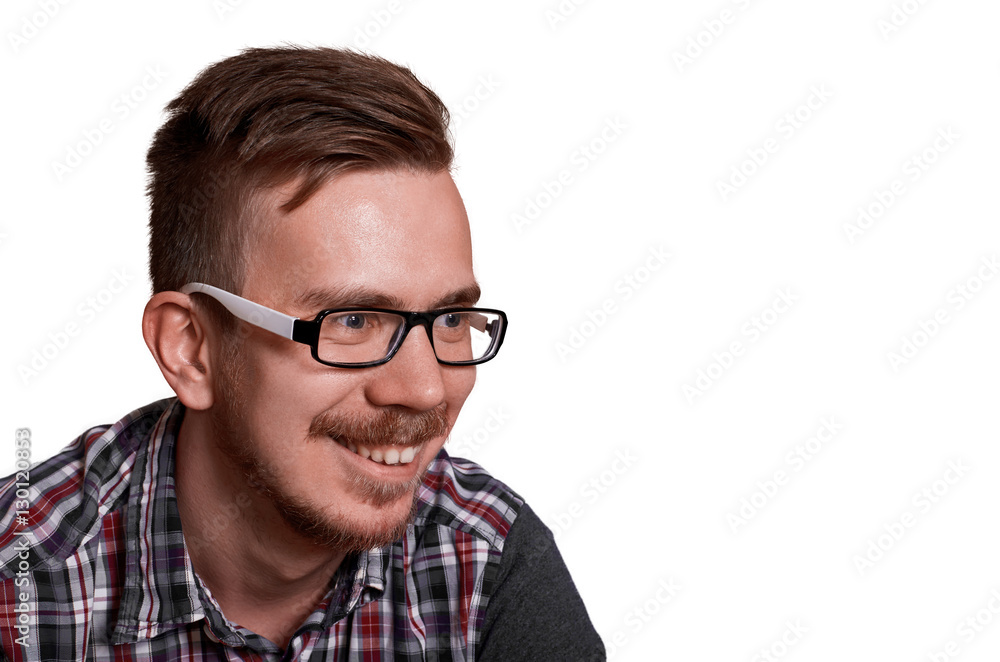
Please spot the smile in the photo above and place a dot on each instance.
(390, 455)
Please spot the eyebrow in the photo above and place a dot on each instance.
(318, 299)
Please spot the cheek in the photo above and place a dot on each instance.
(286, 392)
(458, 385)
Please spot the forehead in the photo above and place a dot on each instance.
(399, 234)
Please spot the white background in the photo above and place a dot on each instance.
(554, 421)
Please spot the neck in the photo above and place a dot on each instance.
(264, 574)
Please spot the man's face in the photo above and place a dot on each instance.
(381, 239)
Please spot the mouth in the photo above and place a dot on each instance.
(388, 455)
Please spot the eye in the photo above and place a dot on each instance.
(353, 321)
(451, 320)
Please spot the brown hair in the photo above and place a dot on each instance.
(266, 117)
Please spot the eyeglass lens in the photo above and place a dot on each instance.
(360, 336)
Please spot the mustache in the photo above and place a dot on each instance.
(386, 427)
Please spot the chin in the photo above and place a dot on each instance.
(353, 515)
(365, 527)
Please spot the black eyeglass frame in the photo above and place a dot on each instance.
(307, 331)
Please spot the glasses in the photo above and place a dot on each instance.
(366, 337)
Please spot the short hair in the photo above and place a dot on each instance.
(266, 117)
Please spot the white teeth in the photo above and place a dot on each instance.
(390, 456)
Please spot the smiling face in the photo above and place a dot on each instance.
(299, 429)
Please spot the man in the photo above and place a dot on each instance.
(314, 310)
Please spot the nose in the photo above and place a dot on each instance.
(412, 378)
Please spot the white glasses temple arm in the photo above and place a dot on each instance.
(246, 310)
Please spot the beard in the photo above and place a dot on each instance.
(385, 426)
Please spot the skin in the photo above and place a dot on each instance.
(400, 237)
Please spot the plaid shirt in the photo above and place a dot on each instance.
(100, 571)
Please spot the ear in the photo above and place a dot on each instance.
(178, 337)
